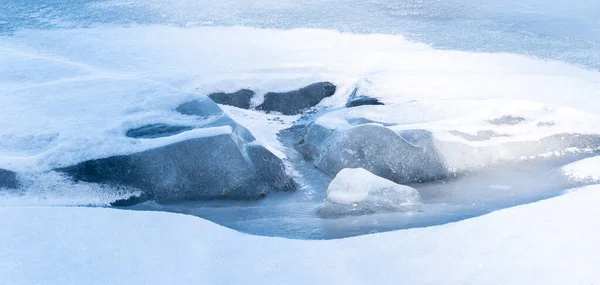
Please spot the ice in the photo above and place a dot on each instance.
(8, 179)
(586, 170)
(559, 29)
(295, 102)
(401, 158)
(356, 191)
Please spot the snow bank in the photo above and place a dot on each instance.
(586, 170)
(103, 246)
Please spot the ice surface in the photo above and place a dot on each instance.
(356, 191)
(557, 29)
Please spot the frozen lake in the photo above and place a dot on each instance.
(556, 30)
(566, 30)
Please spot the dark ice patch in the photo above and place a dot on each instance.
(294, 102)
(506, 120)
(240, 98)
(8, 179)
(156, 131)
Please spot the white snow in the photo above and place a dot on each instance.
(586, 170)
(356, 186)
(554, 244)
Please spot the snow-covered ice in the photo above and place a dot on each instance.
(586, 170)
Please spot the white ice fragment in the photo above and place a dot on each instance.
(354, 186)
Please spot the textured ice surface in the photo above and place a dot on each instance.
(356, 191)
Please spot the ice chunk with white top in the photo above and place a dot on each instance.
(356, 191)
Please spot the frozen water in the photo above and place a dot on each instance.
(558, 29)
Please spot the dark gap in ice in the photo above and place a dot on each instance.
(8, 179)
(156, 131)
(506, 120)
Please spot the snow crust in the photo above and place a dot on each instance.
(70, 245)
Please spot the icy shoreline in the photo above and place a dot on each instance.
(549, 242)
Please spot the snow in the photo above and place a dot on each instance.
(585, 170)
(72, 245)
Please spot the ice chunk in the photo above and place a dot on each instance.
(356, 191)
(294, 102)
(189, 166)
(240, 98)
(8, 179)
(402, 158)
(201, 168)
